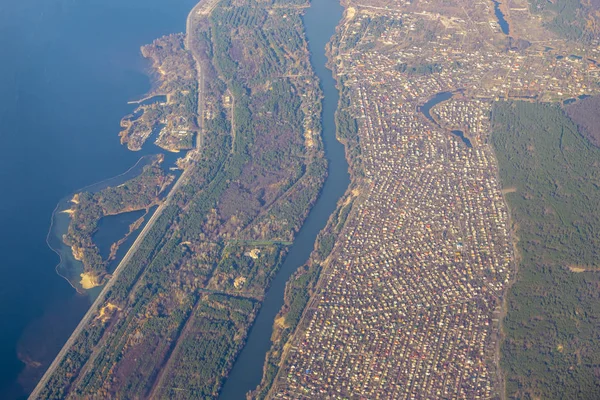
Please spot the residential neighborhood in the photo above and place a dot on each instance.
(409, 302)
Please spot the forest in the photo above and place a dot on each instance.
(172, 118)
(585, 114)
(550, 173)
(139, 193)
(181, 308)
(571, 19)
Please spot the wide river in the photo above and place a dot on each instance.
(68, 69)
(320, 21)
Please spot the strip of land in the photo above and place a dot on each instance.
(102, 297)
(179, 306)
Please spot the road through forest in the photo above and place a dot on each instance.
(91, 313)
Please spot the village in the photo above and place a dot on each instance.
(409, 302)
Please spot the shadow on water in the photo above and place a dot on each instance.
(320, 21)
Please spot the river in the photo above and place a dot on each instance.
(320, 21)
(68, 70)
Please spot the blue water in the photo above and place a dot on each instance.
(434, 101)
(501, 20)
(113, 227)
(461, 135)
(68, 69)
(320, 21)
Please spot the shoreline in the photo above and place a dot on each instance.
(69, 211)
(280, 349)
(95, 306)
(274, 327)
(146, 98)
(330, 65)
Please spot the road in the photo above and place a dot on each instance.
(93, 310)
(202, 8)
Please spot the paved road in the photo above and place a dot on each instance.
(93, 310)
(204, 8)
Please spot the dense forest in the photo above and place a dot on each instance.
(551, 176)
(585, 114)
(571, 19)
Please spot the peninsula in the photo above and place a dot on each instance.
(139, 193)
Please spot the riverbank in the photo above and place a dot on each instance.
(319, 22)
(60, 116)
(205, 254)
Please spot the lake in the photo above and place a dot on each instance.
(425, 109)
(68, 70)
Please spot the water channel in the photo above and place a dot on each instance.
(434, 101)
(320, 21)
(425, 109)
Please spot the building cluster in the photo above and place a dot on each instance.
(407, 301)
(472, 116)
(406, 306)
(464, 59)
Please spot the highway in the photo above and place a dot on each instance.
(93, 310)
(202, 8)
